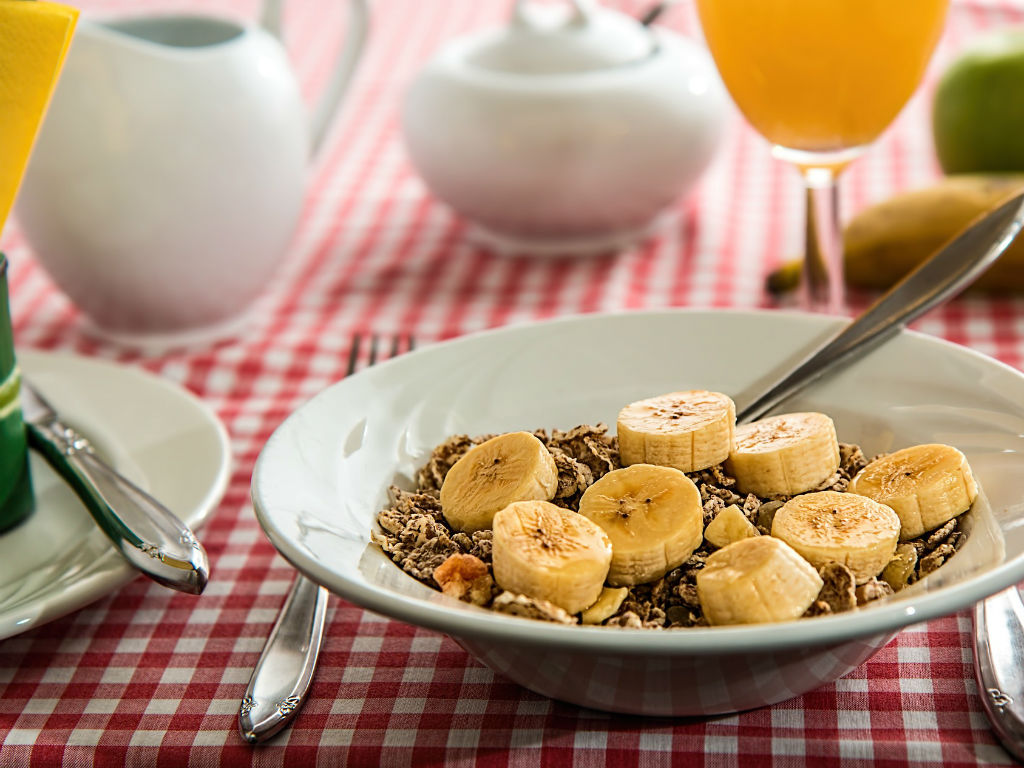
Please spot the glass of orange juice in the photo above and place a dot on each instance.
(821, 79)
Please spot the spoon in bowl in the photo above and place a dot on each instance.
(998, 640)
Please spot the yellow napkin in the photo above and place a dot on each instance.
(34, 38)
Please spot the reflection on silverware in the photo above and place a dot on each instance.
(148, 534)
(998, 669)
(284, 672)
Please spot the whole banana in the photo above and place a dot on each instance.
(886, 241)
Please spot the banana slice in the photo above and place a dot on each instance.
(511, 467)
(898, 571)
(549, 553)
(729, 525)
(927, 485)
(686, 430)
(784, 455)
(653, 517)
(756, 580)
(839, 527)
(607, 604)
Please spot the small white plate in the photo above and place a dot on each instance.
(158, 435)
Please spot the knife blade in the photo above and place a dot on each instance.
(143, 530)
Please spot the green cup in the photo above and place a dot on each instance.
(16, 500)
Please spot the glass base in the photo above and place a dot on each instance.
(20, 502)
(832, 160)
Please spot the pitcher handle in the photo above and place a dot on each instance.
(344, 66)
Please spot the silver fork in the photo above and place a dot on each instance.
(284, 672)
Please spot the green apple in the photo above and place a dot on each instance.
(978, 113)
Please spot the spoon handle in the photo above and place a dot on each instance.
(285, 670)
(999, 666)
(145, 532)
(935, 281)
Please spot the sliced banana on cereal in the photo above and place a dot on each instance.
(690, 430)
(729, 525)
(548, 553)
(839, 527)
(755, 580)
(512, 467)
(784, 455)
(927, 485)
(653, 517)
(607, 605)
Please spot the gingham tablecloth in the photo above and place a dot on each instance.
(148, 677)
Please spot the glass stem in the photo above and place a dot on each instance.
(821, 289)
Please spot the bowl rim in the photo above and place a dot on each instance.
(462, 620)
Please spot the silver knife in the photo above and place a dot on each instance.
(148, 534)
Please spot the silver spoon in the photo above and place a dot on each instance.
(958, 264)
(998, 640)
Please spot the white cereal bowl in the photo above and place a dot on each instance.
(323, 475)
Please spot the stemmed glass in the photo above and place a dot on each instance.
(821, 79)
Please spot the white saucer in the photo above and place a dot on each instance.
(155, 433)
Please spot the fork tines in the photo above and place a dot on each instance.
(399, 343)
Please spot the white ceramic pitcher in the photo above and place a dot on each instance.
(170, 171)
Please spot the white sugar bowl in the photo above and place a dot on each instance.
(568, 131)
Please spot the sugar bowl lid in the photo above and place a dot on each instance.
(563, 38)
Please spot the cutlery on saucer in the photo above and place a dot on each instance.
(284, 672)
(145, 532)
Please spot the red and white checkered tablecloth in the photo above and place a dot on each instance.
(148, 677)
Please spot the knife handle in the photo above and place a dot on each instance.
(148, 534)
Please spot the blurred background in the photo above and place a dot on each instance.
(371, 235)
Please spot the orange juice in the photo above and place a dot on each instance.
(821, 75)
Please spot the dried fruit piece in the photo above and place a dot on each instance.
(465, 578)
(872, 590)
